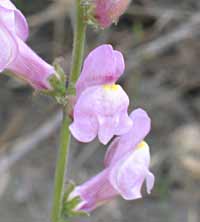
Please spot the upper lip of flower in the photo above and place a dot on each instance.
(102, 66)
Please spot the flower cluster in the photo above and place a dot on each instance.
(15, 55)
(102, 109)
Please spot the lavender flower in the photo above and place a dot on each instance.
(126, 168)
(108, 11)
(15, 55)
(101, 107)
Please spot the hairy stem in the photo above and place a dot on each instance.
(61, 167)
(79, 42)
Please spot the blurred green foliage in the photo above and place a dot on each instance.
(138, 32)
(162, 187)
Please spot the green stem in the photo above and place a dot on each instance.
(79, 42)
(61, 168)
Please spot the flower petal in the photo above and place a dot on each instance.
(94, 192)
(150, 180)
(102, 66)
(109, 11)
(111, 151)
(141, 127)
(99, 110)
(85, 126)
(13, 19)
(116, 125)
(125, 125)
(120, 64)
(30, 67)
(7, 4)
(107, 128)
(8, 47)
(129, 173)
(21, 27)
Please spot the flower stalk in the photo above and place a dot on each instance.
(78, 42)
(61, 167)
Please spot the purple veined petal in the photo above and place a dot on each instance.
(140, 129)
(30, 67)
(13, 19)
(129, 173)
(102, 107)
(102, 66)
(94, 192)
(9, 47)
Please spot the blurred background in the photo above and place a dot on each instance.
(160, 41)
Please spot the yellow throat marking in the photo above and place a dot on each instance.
(111, 87)
(142, 145)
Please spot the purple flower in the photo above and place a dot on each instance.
(102, 66)
(101, 107)
(15, 55)
(126, 168)
(108, 11)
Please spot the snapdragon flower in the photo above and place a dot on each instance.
(101, 106)
(127, 164)
(15, 54)
(108, 11)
